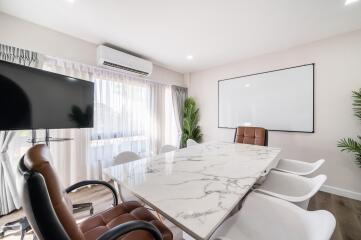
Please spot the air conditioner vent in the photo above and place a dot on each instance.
(125, 68)
(117, 60)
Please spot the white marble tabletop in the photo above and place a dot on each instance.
(196, 187)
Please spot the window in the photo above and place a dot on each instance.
(131, 114)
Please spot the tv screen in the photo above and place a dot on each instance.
(31, 98)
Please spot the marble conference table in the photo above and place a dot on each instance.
(197, 187)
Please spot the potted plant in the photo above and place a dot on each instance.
(190, 130)
(349, 144)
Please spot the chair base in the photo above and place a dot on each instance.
(21, 225)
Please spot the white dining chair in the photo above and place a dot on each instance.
(290, 187)
(124, 157)
(191, 142)
(121, 158)
(167, 148)
(298, 167)
(264, 217)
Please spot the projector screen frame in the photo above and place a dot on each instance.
(281, 69)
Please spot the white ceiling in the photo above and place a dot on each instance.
(215, 32)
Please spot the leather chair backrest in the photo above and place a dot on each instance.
(251, 135)
(36, 168)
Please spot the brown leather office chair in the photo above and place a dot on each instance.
(251, 135)
(49, 209)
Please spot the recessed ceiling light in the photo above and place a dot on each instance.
(348, 2)
(189, 57)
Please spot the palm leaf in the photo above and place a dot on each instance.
(348, 144)
(190, 128)
(357, 103)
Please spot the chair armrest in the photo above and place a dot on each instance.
(124, 228)
(94, 182)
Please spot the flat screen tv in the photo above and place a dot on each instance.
(31, 98)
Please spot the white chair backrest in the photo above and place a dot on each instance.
(167, 148)
(299, 167)
(291, 187)
(124, 157)
(191, 142)
(266, 217)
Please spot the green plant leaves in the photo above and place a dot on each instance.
(349, 144)
(191, 130)
(357, 103)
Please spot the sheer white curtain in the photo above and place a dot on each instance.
(9, 198)
(71, 158)
(179, 95)
(131, 114)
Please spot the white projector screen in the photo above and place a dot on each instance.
(280, 100)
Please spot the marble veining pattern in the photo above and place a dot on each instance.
(197, 186)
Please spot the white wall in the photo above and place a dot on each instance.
(23, 34)
(337, 73)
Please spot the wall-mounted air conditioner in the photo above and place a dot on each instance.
(117, 60)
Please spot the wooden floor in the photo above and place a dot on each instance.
(346, 211)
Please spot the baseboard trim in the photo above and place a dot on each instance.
(341, 192)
